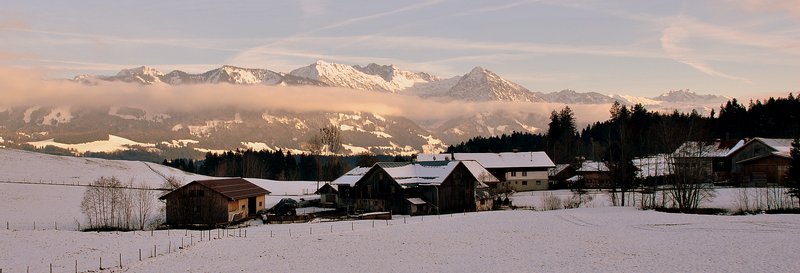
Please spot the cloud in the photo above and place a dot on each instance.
(312, 7)
(494, 8)
(791, 7)
(672, 40)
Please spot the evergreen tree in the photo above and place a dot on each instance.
(793, 176)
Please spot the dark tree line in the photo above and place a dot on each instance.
(634, 131)
(522, 142)
(275, 165)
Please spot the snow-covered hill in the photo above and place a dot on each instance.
(25, 166)
(121, 128)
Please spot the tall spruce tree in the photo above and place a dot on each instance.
(793, 176)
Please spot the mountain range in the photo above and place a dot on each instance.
(181, 132)
(480, 84)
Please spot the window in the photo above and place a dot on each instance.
(243, 207)
(538, 182)
(260, 204)
(524, 183)
(524, 173)
(513, 173)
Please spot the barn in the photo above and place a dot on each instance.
(213, 202)
(409, 188)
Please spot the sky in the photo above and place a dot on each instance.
(739, 48)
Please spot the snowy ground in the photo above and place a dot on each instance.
(579, 240)
(594, 238)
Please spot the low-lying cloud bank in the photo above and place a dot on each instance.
(20, 87)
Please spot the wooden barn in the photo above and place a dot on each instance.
(213, 202)
(409, 188)
(762, 161)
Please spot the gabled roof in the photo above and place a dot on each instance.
(406, 173)
(231, 188)
(479, 172)
(782, 146)
(496, 160)
(707, 149)
(327, 188)
(352, 176)
(419, 173)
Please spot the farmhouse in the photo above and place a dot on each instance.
(410, 188)
(711, 159)
(517, 171)
(213, 202)
(762, 161)
(594, 173)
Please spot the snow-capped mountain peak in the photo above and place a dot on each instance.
(687, 95)
(480, 84)
(142, 74)
(372, 77)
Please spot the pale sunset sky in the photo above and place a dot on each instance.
(728, 47)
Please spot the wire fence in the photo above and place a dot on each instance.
(157, 243)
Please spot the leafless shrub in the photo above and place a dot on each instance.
(551, 202)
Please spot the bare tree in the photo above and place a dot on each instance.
(689, 172)
(328, 141)
(102, 202)
(143, 198)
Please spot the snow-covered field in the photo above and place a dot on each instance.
(594, 238)
(578, 240)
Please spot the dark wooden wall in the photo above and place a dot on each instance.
(195, 204)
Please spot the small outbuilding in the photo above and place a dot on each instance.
(213, 202)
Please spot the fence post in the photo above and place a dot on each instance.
(310, 231)
(352, 226)
(34, 225)
(140, 254)
(290, 232)
(120, 260)
(56, 224)
(270, 233)
(51, 267)
(373, 223)
(101, 262)
(155, 251)
(76, 266)
(331, 228)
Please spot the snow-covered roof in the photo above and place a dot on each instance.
(479, 172)
(496, 160)
(593, 166)
(419, 173)
(652, 166)
(416, 201)
(559, 168)
(406, 173)
(575, 178)
(707, 149)
(352, 176)
(782, 146)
